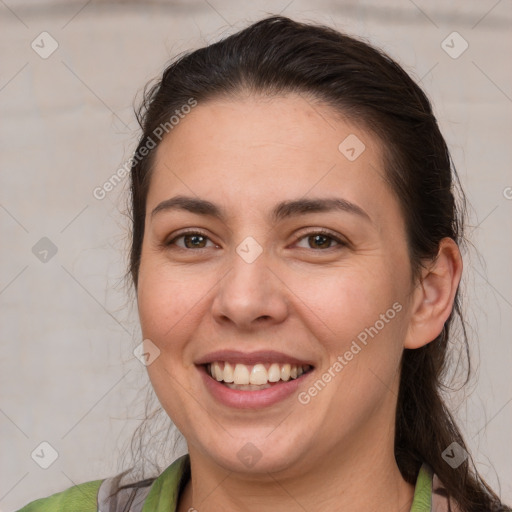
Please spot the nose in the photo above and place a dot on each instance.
(250, 296)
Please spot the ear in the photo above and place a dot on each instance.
(434, 295)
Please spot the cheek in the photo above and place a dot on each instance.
(346, 301)
(359, 320)
(166, 303)
(169, 311)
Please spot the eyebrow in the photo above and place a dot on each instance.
(281, 211)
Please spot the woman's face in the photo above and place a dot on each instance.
(264, 279)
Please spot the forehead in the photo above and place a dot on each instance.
(258, 150)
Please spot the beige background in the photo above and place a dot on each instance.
(69, 325)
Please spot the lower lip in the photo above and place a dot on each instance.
(250, 399)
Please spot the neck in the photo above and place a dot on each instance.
(356, 479)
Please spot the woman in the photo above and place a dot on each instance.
(296, 258)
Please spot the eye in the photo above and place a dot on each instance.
(191, 239)
(321, 239)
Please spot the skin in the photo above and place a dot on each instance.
(306, 299)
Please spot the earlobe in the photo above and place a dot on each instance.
(434, 296)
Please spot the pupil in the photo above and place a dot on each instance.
(194, 239)
(320, 237)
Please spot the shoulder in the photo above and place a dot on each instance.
(107, 495)
(430, 493)
(79, 498)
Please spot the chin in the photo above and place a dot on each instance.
(255, 457)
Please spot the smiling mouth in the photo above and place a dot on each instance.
(254, 377)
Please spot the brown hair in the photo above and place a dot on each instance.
(278, 55)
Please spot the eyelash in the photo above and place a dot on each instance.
(322, 232)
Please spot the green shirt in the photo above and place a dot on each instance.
(164, 492)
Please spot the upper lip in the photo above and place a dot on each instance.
(251, 358)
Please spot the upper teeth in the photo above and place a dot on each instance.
(254, 374)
